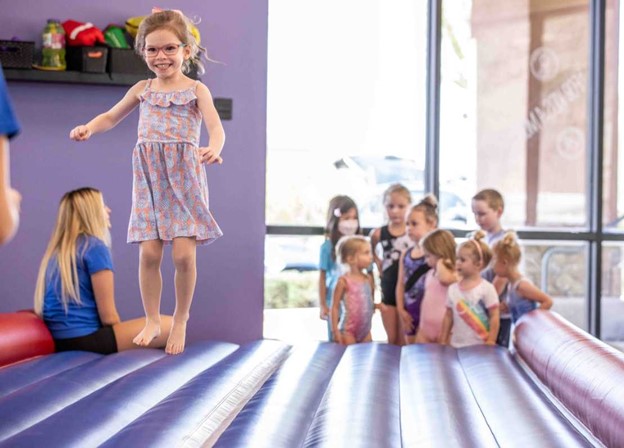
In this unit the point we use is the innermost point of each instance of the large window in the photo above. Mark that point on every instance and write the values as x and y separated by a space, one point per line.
512 110
513 106
346 105
346 115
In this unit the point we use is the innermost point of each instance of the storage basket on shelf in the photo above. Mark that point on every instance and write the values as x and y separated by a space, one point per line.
87 59
16 54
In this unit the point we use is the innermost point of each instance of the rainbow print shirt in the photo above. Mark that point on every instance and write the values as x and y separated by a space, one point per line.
470 308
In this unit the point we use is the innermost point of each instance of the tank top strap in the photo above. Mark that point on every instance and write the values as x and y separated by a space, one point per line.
148 85
195 86
385 234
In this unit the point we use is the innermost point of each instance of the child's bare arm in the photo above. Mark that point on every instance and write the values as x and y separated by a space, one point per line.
447 324
494 319
323 294
338 293
371 280
375 235
532 292
406 318
216 134
110 118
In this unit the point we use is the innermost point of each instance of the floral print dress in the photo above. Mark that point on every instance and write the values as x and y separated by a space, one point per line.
170 188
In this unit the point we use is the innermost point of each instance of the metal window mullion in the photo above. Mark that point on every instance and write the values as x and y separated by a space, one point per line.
595 162
432 156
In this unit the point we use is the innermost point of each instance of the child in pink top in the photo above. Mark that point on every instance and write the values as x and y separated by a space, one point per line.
439 249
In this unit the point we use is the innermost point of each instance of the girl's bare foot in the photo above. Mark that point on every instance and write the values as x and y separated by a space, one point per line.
150 332
177 338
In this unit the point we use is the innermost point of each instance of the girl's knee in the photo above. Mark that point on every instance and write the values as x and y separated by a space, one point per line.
150 257
184 261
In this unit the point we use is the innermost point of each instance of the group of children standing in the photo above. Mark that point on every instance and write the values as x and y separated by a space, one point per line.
432 290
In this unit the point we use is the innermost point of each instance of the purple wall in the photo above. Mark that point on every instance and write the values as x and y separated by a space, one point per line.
45 163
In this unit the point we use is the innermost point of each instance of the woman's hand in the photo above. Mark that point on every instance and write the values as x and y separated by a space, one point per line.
80 133
209 155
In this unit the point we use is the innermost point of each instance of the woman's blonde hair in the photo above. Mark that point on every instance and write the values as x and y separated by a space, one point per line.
479 250
178 24
81 212
508 248
348 246
440 243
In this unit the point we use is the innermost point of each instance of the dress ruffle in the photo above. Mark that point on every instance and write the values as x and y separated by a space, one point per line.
165 99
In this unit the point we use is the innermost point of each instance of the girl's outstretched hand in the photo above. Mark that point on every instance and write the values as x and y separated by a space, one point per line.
80 133
209 156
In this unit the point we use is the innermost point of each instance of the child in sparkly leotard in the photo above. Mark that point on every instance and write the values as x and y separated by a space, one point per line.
353 293
170 189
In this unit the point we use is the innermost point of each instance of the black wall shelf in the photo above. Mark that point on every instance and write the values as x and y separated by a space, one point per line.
223 105
72 77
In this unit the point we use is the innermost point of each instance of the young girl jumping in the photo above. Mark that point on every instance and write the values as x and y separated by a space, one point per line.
388 242
522 296
170 189
472 315
422 219
353 293
439 249
342 220
74 293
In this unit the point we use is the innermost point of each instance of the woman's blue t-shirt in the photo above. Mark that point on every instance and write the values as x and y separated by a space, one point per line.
92 255
8 122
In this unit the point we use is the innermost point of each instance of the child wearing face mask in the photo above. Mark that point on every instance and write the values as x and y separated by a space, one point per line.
342 220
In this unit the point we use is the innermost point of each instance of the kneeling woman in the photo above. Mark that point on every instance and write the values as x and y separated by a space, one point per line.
75 286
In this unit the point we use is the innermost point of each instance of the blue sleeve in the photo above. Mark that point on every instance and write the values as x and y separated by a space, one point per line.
97 257
488 274
8 122
325 260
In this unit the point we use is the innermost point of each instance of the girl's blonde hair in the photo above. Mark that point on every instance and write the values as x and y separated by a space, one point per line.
479 250
440 243
428 206
508 248
178 24
81 212
348 246
397 188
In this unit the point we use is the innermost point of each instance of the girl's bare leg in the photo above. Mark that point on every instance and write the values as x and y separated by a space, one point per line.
368 338
348 338
150 282
390 319
421 338
184 260
125 332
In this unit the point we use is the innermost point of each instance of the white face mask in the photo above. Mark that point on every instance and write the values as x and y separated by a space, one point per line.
348 227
